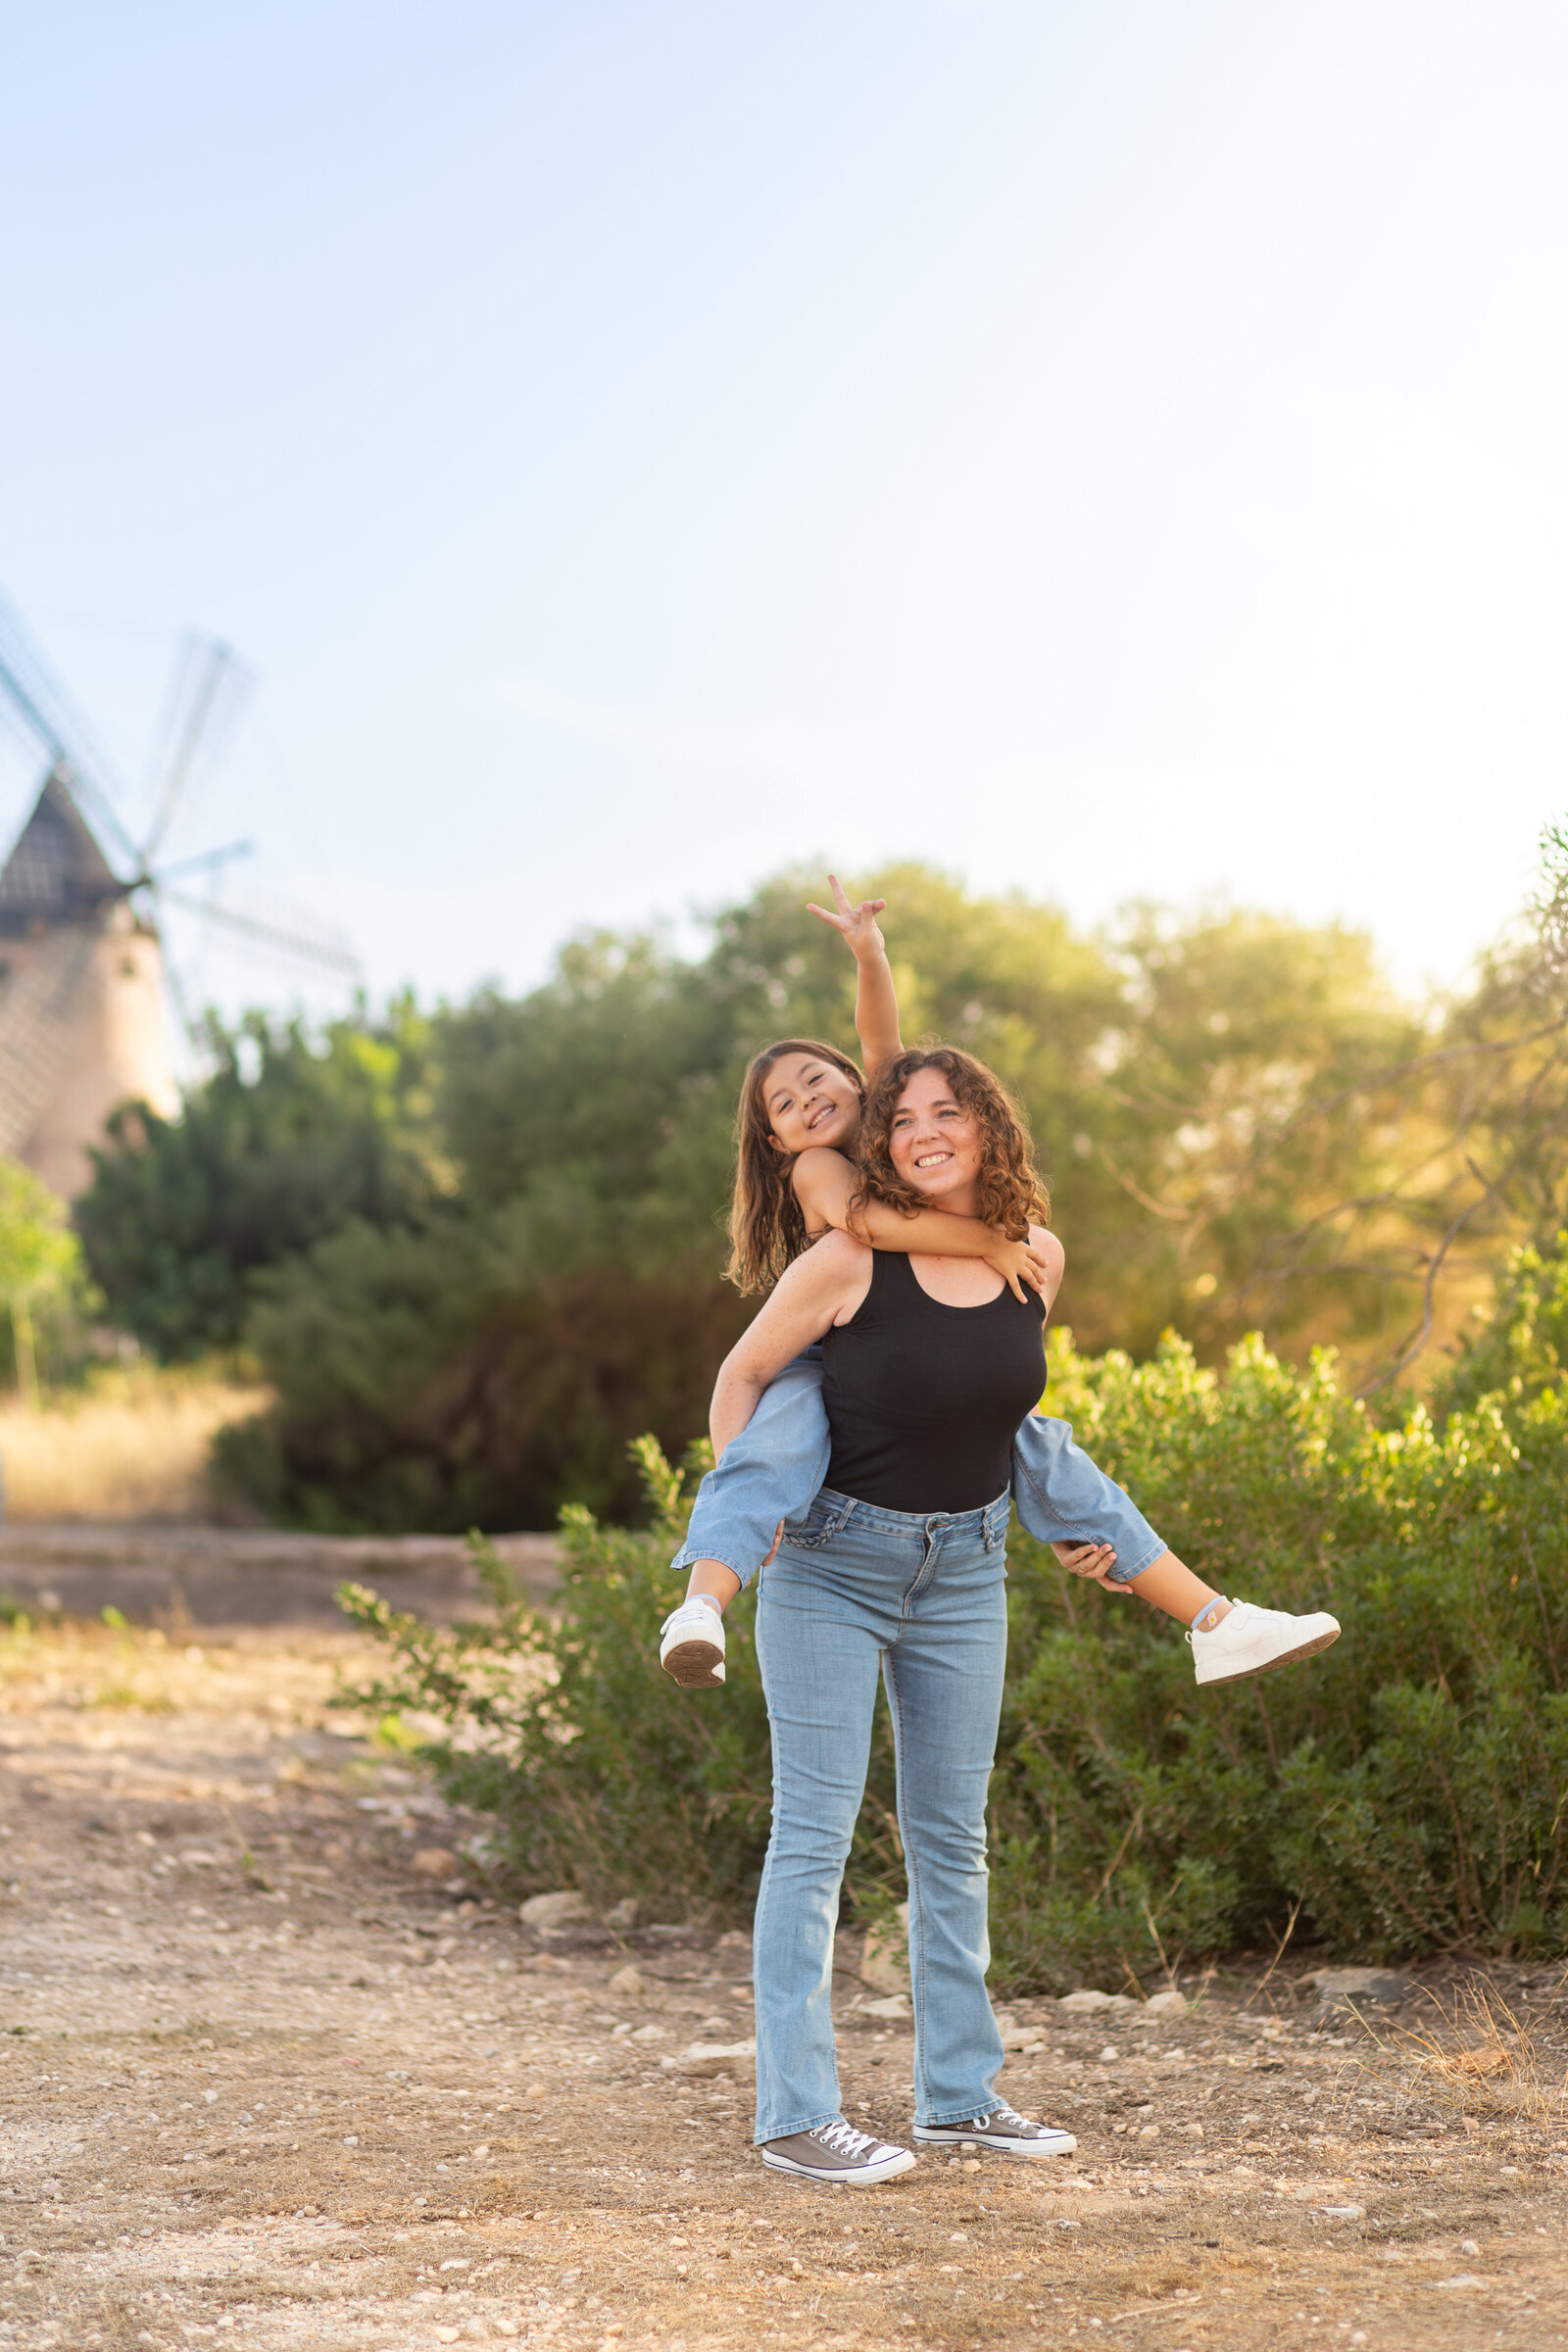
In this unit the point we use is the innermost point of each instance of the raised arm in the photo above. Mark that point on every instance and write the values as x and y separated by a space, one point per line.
876 1004
825 1186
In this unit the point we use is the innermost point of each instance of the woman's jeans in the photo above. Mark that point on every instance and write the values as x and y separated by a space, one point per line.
776 1464
854 1591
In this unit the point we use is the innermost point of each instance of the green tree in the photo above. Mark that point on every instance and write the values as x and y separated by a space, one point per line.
490 1361
289 1139
1245 1120
487 1355
1204 1094
463 1373
39 1257
477 1253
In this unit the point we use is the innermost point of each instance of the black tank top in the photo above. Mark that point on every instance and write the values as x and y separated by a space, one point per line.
924 1400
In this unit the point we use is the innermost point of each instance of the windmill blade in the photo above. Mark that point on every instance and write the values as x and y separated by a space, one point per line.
209 688
207 861
43 714
38 1008
304 945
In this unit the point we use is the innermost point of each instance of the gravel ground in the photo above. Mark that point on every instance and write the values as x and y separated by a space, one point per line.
277 2072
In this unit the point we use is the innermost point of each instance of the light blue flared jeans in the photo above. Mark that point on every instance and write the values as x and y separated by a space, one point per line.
922 1599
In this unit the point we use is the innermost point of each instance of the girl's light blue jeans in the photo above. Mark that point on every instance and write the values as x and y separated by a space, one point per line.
857 1591
773 1468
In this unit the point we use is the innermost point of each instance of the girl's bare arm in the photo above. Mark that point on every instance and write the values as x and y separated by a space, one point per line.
825 1186
876 1002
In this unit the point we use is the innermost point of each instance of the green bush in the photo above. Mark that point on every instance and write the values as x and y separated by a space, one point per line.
1401 1793
1405 1793
600 1773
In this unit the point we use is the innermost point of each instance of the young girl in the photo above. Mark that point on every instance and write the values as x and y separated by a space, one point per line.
797 1125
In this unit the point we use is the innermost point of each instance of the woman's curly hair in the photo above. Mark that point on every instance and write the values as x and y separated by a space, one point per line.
1009 1192
766 1230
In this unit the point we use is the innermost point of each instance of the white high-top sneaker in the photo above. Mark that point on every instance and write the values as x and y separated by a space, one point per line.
1252 1640
691 1646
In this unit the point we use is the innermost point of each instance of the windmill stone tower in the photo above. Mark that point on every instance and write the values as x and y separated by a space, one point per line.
82 1026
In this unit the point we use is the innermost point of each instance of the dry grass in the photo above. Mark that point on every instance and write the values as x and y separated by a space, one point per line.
1476 2055
133 1445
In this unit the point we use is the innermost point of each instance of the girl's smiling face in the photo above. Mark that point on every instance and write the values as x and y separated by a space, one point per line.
809 1099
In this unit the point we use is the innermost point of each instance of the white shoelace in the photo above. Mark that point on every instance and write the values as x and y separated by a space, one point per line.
704 1616
843 2138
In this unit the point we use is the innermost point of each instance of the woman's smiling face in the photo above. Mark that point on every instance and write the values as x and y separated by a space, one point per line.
809 1099
935 1144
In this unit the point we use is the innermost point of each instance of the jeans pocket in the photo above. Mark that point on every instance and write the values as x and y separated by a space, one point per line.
816 1527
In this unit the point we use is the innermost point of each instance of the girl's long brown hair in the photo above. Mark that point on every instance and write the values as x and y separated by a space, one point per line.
767 1229
1009 1192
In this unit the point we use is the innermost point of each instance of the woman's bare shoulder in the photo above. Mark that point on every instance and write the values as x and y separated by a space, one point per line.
836 1257
1049 1248
825 1282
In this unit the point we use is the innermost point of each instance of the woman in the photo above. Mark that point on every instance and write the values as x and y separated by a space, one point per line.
929 1366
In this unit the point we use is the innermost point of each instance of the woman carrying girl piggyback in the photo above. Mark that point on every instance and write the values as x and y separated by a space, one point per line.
902 1448
799 1129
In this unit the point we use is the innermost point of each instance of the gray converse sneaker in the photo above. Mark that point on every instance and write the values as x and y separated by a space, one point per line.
691 1646
1002 2132
836 2155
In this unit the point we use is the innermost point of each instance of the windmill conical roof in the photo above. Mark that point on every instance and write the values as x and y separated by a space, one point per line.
56 872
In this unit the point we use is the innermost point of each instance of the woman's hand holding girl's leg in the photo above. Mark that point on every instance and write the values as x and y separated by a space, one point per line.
1165 1583
1092 1561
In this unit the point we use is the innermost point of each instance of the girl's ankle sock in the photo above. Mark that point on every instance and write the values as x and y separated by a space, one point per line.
1206 1620
711 1602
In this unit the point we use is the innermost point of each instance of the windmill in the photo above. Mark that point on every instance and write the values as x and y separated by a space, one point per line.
84 1025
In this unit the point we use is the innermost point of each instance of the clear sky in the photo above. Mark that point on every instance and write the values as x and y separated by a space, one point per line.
1108 447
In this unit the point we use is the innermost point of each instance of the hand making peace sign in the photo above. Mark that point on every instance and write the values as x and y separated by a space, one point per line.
858 924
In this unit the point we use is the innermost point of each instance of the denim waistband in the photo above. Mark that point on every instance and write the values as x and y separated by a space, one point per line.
986 1524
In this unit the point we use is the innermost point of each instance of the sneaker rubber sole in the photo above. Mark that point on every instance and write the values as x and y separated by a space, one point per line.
1030 2152
697 1665
1287 1657
863 2176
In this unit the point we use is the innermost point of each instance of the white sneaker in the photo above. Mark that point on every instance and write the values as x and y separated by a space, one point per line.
691 1646
1252 1640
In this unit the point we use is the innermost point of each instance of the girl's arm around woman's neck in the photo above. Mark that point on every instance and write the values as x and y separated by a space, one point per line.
827 1186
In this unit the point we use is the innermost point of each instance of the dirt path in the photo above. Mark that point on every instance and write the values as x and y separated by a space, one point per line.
277 2072
224 1577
